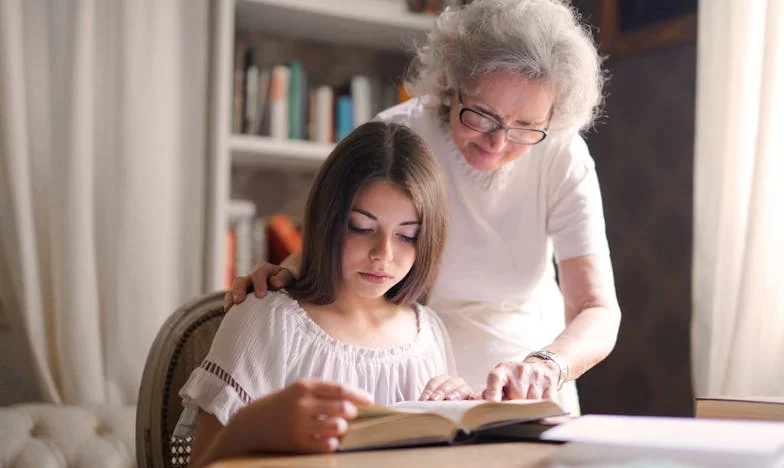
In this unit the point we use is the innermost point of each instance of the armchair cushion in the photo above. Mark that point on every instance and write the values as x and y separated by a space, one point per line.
48 435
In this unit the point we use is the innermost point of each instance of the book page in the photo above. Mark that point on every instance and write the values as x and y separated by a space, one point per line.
454 410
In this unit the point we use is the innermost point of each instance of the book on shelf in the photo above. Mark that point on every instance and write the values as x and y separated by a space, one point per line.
259 240
239 252
361 98
297 100
439 422
283 238
278 102
612 440
736 407
344 117
238 98
251 112
322 126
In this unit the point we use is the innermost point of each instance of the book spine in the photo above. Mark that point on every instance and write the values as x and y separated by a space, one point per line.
295 100
325 126
402 93
259 236
239 86
263 92
279 119
361 97
344 120
284 239
250 111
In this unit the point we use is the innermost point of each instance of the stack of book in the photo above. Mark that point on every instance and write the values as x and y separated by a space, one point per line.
284 102
736 407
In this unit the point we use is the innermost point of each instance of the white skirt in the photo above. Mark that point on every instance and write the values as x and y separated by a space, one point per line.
485 334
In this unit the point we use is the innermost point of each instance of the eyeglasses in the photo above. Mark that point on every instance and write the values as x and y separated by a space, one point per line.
480 122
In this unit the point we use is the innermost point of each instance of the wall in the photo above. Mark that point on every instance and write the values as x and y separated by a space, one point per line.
644 156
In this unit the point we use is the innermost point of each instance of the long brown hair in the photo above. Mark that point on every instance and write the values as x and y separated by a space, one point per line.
372 152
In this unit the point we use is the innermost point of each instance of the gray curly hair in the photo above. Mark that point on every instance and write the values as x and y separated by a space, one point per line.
542 40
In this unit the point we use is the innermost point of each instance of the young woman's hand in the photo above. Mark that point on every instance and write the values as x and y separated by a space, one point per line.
446 387
308 416
264 276
530 379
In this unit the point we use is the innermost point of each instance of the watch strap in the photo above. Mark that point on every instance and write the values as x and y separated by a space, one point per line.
547 355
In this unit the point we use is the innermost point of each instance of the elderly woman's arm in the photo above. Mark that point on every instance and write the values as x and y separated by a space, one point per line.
592 312
592 321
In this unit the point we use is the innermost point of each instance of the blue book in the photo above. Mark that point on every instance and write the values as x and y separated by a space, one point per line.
344 117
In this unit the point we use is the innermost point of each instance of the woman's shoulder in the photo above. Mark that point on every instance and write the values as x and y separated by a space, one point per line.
567 148
566 156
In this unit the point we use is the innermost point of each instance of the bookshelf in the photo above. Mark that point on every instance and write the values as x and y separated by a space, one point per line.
383 25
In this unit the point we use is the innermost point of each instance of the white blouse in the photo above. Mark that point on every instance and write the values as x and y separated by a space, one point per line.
496 290
263 345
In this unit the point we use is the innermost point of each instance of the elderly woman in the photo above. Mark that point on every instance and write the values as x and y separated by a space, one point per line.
503 87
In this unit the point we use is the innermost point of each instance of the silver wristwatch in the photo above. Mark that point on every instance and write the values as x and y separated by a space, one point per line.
547 355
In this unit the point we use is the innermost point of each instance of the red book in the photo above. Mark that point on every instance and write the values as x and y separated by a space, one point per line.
284 239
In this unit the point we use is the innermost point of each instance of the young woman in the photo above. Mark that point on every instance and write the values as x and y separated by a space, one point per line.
374 230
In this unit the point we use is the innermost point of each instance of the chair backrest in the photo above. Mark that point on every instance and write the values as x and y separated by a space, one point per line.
180 346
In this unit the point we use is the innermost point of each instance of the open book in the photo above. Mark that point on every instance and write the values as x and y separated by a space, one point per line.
426 422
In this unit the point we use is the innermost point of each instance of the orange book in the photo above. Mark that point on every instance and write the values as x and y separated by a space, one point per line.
283 237
402 94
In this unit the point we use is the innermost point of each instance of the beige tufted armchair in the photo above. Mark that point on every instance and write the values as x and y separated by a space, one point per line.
180 346
46 435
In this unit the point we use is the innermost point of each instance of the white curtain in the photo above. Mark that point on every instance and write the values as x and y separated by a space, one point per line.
738 264
102 159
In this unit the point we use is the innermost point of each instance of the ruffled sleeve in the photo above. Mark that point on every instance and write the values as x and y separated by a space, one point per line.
246 361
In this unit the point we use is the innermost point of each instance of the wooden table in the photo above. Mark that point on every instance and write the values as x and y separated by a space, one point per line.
516 454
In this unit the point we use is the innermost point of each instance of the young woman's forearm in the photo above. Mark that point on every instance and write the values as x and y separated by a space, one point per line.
232 440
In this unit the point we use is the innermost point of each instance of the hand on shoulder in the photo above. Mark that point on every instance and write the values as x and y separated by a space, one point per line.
264 277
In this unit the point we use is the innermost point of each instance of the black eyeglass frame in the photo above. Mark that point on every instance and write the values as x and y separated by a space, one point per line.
462 109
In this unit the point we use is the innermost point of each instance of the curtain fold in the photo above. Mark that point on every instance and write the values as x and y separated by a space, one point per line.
102 160
738 263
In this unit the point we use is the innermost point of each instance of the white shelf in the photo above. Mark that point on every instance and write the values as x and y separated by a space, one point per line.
381 24
258 151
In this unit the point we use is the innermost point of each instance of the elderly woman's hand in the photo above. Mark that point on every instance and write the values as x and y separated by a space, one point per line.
264 276
531 379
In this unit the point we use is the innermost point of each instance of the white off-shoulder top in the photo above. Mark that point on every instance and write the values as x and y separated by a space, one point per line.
263 345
